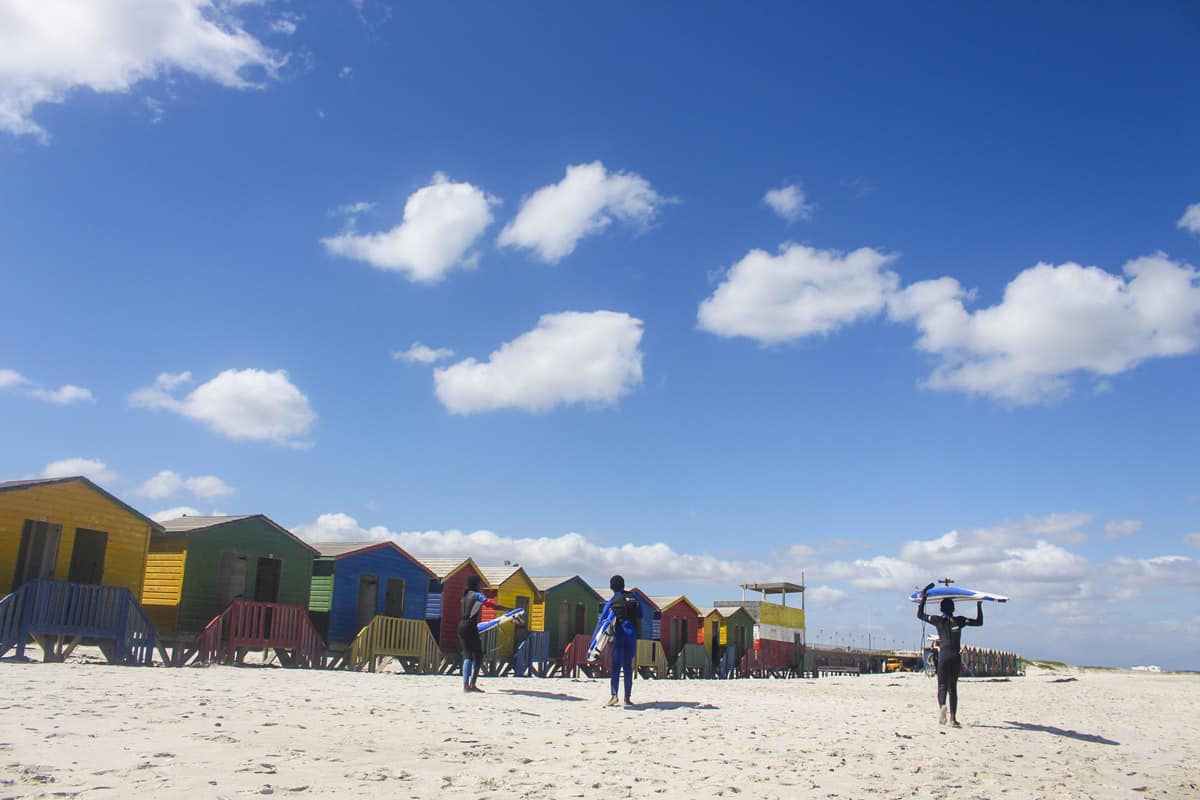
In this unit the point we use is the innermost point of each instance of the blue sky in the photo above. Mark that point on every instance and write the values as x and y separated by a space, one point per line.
709 295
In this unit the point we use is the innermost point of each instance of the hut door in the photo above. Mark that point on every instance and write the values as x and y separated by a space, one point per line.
231 578
266 580
716 641
37 552
393 603
580 616
87 556
368 598
565 633
521 627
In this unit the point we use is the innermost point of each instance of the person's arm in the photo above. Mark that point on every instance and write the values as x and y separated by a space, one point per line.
978 616
921 615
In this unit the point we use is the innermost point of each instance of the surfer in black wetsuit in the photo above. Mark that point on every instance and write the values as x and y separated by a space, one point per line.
949 657
473 603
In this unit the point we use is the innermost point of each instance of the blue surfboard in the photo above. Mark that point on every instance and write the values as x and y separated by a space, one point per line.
937 593
503 619
602 636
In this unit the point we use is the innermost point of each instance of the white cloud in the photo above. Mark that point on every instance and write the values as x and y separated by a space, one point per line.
240 404
49 48
352 209
570 357
1192 539
1169 573
570 553
168 482
799 292
175 513
825 596
1053 322
1011 558
1120 528
90 468
65 395
423 354
11 378
586 201
286 24
345 72
789 202
1190 221
442 222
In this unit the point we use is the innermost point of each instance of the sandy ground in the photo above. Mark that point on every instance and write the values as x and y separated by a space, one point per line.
96 731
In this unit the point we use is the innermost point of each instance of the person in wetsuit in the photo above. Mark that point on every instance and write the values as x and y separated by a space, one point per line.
473 604
627 614
949 656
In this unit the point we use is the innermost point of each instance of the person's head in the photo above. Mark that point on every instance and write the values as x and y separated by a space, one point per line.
947 606
473 583
617 583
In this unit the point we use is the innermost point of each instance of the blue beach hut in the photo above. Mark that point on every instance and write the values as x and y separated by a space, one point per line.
355 581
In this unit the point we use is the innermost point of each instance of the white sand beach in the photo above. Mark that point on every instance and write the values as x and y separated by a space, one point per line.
96 731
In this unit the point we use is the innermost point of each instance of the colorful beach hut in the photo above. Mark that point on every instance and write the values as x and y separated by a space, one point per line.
352 582
726 633
570 607
219 586
444 609
72 567
515 589
680 624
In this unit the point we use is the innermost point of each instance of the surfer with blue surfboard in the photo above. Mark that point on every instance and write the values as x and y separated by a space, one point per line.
469 628
949 657
618 627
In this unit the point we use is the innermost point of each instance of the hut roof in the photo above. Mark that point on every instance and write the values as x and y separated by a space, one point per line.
188 525
9 486
343 549
498 575
545 584
667 601
443 567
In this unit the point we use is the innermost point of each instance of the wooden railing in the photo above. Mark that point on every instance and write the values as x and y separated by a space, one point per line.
532 655
651 659
407 640
769 658
60 615
693 661
728 663
253 625
574 659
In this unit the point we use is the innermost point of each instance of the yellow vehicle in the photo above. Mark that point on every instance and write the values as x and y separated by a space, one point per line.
893 665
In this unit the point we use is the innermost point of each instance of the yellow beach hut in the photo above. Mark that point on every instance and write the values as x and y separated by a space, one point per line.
73 558
515 589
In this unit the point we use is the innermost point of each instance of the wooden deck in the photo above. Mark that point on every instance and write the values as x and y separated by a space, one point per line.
59 616
408 641
247 625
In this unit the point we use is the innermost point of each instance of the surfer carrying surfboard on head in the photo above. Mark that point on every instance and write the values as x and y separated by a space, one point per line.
949 660
618 627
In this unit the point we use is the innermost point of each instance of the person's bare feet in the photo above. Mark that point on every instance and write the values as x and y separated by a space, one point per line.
612 701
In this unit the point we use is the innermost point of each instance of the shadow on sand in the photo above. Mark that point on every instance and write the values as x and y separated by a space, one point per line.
1029 726
543 695
668 705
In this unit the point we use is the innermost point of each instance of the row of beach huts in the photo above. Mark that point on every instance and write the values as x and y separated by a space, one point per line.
78 566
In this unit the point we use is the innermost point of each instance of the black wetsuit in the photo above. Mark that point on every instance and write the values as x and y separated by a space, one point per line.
949 656
468 626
